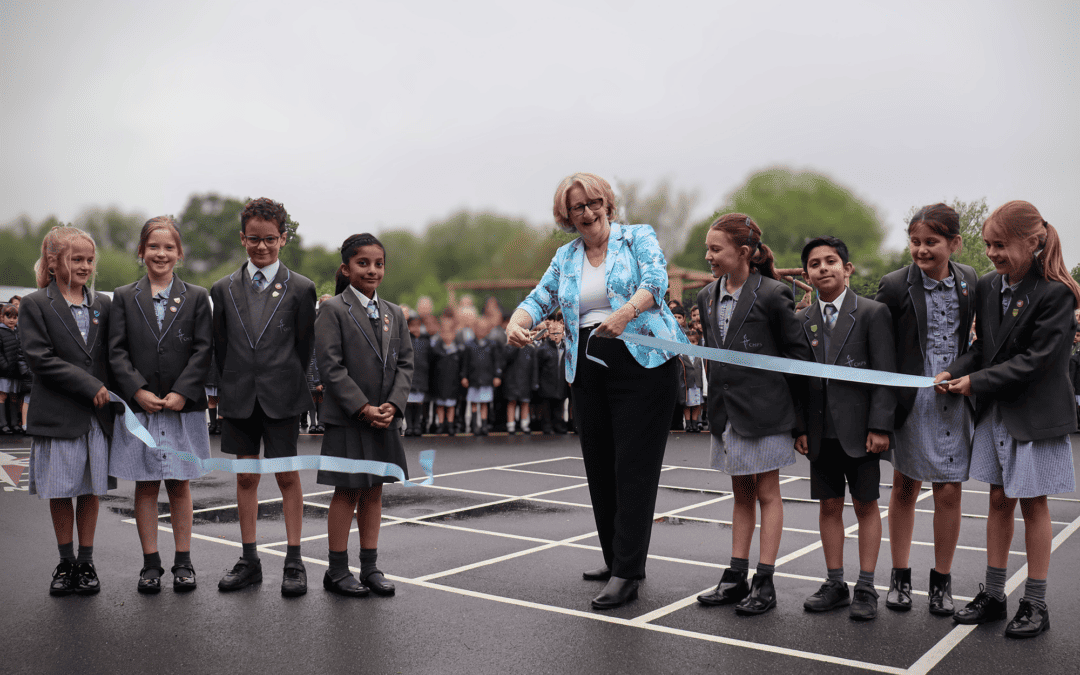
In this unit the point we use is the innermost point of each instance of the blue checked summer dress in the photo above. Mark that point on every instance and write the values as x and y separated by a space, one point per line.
934 443
738 455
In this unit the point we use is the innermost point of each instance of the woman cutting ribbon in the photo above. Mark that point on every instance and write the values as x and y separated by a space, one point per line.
611 279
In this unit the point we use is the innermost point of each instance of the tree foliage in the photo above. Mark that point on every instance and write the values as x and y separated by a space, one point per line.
972 216
666 210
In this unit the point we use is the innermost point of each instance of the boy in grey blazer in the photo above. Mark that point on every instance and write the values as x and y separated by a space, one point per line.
264 335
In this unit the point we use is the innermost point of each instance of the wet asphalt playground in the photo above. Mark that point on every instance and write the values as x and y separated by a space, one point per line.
488 565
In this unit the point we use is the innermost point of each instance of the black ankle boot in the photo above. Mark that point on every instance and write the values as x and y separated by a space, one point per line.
941 600
899 595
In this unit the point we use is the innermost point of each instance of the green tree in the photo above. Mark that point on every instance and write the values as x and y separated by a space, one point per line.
666 210
1076 273
972 216
210 226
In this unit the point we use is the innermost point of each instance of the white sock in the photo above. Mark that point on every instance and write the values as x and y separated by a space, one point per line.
510 425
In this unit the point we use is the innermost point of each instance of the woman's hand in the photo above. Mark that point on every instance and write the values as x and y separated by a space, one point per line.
519 336
101 398
615 324
146 400
174 401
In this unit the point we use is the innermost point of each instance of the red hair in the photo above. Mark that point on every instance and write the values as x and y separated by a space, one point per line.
1019 220
745 232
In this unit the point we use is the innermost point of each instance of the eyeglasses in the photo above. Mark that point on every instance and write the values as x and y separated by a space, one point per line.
593 204
254 241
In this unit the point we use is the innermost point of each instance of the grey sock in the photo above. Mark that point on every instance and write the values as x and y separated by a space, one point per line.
368 556
740 564
86 554
1035 592
183 559
67 551
866 577
995 582
251 553
765 570
837 575
339 564
292 553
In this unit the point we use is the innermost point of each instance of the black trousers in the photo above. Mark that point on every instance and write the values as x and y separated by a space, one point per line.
623 413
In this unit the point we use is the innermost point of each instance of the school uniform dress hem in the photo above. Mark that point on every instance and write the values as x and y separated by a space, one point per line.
738 455
1025 469
71 467
361 441
131 459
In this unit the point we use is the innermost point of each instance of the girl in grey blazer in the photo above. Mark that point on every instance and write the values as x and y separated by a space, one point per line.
365 357
64 328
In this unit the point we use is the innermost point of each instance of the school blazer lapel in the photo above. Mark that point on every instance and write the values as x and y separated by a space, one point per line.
279 286
1020 302
240 303
387 321
747 298
60 306
145 302
352 302
713 331
814 329
917 294
177 298
845 321
965 292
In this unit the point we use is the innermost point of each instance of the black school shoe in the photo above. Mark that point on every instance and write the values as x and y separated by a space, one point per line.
831 595
899 596
243 574
616 593
346 585
377 583
941 600
148 584
183 578
86 579
762 596
63 579
1029 621
864 602
732 588
294 579
598 574
983 609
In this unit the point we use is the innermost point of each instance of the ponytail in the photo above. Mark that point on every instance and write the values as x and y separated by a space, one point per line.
1053 262
745 232
1020 220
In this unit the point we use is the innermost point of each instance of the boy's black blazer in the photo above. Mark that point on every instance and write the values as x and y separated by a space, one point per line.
354 368
1021 359
903 293
268 362
861 338
757 402
68 372
174 358
482 364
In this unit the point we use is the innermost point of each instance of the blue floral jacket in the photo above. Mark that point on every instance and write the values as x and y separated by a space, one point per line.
634 260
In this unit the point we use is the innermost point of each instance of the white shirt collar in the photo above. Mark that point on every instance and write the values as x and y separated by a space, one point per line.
86 301
838 302
364 300
270 271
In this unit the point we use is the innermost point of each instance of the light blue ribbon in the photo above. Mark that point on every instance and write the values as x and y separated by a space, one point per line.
779 364
282 464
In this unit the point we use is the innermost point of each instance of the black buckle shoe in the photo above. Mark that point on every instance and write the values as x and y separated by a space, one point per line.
983 609
346 585
63 579
831 595
617 593
294 579
86 579
183 578
863 602
243 574
377 583
1029 621
941 600
899 596
598 574
150 585
732 588
762 596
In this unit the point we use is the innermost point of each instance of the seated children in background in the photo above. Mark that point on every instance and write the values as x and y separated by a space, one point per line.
845 426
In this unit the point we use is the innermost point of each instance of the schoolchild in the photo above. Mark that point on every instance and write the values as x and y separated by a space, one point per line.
932 303
846 425
315 388
65 327
213 383
692 377
1074 368
751 412
1018 372
160 342
416 408
447 355
10 374
521 376
264 321
481 372
551 370
366 363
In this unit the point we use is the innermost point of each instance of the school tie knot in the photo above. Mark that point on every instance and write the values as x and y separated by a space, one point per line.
372 310
830 316
258 280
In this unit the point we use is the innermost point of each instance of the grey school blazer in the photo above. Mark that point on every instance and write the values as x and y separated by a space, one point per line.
354 368
861 338
174 358
269 362
67 371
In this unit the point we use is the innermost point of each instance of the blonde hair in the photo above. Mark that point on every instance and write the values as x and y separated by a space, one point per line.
56 254
1019 220
594 186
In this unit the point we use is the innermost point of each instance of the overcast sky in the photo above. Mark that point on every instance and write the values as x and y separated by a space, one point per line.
375 116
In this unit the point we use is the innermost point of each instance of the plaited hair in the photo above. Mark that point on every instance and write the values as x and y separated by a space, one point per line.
942 219
745 232
356 242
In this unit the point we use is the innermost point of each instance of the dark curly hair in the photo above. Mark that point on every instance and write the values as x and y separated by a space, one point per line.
265 209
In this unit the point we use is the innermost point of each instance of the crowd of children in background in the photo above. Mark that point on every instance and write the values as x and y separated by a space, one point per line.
14 374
